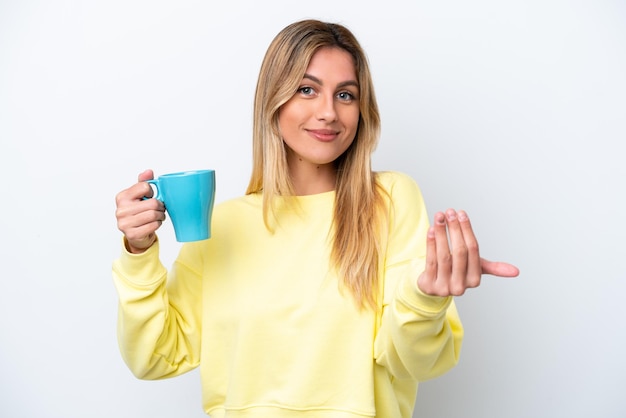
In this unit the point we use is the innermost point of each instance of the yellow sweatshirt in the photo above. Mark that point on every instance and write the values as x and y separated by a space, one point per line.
263 315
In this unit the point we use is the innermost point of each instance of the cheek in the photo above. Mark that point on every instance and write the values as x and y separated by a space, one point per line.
288 130
287 117
351 119
283 123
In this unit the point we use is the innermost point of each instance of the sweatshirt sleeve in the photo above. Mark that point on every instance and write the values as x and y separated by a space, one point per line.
158 316
419 336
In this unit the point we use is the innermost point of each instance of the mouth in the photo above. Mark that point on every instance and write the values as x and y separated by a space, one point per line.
324 135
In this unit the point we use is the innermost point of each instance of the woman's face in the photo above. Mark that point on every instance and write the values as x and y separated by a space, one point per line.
320 121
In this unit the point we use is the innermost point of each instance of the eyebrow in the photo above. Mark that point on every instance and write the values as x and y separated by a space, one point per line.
342 84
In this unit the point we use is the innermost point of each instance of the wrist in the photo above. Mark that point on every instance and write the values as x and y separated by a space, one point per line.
139 247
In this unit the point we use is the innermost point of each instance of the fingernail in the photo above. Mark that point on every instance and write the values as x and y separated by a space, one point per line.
451 214
462 216
440 219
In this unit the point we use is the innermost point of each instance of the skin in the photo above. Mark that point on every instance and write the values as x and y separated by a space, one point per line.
453 262
320 121
318 124
138 219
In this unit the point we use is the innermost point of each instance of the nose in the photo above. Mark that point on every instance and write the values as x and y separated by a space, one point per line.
326 110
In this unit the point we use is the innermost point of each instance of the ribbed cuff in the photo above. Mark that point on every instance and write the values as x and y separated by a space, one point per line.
413 297
140 270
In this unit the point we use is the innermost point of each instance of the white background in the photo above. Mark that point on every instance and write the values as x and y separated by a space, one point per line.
512 110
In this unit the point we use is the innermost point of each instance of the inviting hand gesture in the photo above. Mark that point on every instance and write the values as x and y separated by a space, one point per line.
453 265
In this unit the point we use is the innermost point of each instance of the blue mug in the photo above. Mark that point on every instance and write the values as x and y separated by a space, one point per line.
188 197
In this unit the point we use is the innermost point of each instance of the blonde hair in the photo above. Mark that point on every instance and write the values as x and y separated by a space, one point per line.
359 199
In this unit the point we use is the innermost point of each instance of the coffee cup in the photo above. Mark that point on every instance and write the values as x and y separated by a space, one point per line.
188 197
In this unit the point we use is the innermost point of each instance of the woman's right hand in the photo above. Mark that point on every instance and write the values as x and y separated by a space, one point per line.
139 218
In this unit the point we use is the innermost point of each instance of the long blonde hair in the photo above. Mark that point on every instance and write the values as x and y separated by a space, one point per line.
359 199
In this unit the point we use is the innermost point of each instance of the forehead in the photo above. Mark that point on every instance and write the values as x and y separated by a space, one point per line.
332 62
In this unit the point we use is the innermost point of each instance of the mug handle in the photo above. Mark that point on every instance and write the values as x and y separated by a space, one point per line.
155 183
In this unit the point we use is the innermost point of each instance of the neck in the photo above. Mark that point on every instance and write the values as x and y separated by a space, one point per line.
310 179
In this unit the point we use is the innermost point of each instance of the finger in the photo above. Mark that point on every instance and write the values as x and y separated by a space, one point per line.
129 208
141 191
145 175
134 193
426 281
444 258
150 211
458 276
142 236
499 269
127 221
474 271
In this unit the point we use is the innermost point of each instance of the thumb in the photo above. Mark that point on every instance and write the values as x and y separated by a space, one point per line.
146 175
499 269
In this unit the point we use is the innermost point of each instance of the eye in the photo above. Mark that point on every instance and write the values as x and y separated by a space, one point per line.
306 91
346 96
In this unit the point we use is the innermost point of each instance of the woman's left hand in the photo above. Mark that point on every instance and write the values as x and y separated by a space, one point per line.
454 265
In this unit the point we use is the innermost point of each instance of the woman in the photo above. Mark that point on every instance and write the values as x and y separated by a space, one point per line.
322 292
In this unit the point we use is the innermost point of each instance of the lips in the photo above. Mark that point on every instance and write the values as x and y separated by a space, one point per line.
324 135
